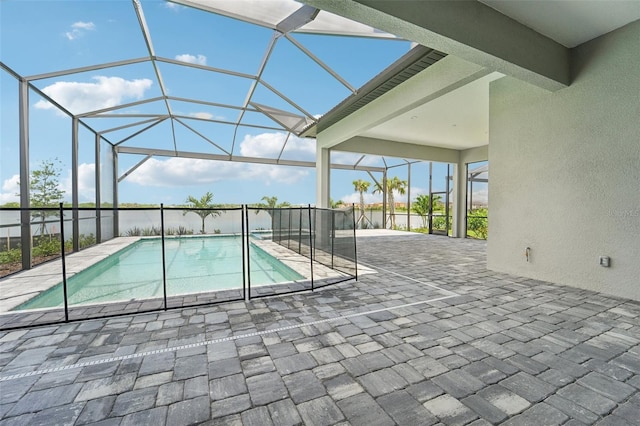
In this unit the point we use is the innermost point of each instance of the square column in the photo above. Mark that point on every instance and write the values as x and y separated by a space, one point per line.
459 200
323 177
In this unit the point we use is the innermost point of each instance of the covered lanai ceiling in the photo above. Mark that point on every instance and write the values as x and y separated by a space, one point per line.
480 38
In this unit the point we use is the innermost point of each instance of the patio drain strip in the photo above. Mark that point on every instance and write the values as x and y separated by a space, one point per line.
230 338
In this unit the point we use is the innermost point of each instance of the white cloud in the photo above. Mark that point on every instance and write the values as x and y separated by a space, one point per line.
172 6
481 196
370 198
10 187
84 97
176 172
341 157
78 29
83 25
200 59
270 144
86 183
206 116
203 115
354 198
416 191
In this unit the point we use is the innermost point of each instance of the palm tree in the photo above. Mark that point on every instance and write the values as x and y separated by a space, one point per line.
394 184
271 203
421 207
336 204
202 207
361 186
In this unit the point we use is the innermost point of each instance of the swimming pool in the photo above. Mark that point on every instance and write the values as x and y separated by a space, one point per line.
194 264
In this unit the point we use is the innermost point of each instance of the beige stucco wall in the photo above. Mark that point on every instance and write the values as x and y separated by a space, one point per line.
565 171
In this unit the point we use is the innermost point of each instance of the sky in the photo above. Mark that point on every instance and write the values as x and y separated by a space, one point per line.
39 37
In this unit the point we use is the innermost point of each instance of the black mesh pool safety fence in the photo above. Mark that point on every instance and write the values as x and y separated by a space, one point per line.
325 237
64 264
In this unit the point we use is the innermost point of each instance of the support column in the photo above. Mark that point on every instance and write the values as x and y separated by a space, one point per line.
74 185
98 189
384 198
460 200
408 196
114 177
323 177
431 197
25 215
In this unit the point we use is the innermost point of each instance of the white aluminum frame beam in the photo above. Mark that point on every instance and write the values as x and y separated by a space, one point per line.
317 60
86 69
202 136
218 157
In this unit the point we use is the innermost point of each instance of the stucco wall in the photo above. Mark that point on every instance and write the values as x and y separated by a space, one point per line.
565 171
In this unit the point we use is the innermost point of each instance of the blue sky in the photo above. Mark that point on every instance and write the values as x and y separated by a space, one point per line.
44 36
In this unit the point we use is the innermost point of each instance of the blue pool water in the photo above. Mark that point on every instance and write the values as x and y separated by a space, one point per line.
194 264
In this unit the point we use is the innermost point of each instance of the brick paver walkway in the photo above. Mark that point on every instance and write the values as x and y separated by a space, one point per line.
432 338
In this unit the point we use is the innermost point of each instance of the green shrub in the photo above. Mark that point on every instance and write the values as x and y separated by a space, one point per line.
133 232
86 240
150 232
478 224
180 230
47 247
11 256
439 223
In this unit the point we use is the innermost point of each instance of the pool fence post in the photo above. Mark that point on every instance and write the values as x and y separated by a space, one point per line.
164 270
64 267
300 231
332 233
311 246
289 228
355 249
245 248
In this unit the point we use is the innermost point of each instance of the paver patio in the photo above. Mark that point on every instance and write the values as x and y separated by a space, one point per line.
431 338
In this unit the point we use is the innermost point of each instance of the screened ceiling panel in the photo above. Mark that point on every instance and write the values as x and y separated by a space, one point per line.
156 137
259 12
267 68
273 12
118 128
265 96
94 30
354 159
119 125
340 53
316 93
143 108
297 148
204 112
200 40
257 118
190 140
479 173
329 23
97 89
206 133
292 122
212 86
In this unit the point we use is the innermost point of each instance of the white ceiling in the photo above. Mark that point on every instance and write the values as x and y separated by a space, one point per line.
457 120
569 22
460 119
